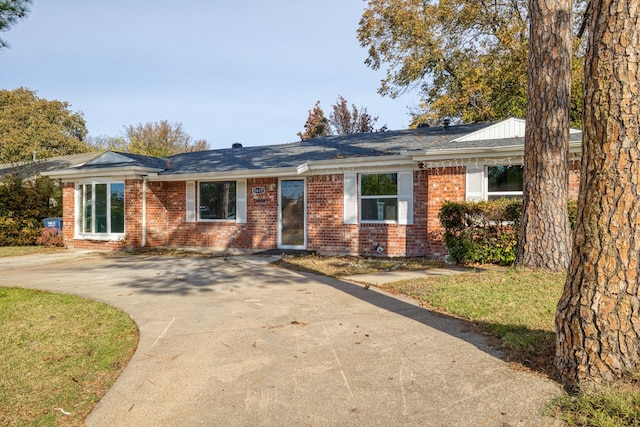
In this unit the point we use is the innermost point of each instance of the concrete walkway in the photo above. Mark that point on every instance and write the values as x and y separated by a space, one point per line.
397 275
239 342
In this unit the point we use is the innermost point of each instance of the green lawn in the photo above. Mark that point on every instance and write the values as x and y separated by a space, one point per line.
59 354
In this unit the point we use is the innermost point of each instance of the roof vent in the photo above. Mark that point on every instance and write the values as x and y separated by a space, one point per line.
446 122
236 145
423 125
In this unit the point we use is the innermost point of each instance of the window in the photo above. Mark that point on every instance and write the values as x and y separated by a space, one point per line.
217 200
102 208
379 197
504 181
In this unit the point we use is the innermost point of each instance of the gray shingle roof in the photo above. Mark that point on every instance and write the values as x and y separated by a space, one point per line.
413 142
316 149
112 159
47 165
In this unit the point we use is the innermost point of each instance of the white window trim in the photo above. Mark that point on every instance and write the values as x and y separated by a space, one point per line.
193 202
351 191
404 198
204 181
351 201
79 234
361 198
488 194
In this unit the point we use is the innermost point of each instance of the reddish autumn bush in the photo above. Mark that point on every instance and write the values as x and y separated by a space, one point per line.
50 237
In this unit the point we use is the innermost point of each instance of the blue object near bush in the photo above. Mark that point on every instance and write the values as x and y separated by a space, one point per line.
52 223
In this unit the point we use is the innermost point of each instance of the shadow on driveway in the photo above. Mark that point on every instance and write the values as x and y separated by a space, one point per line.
235 341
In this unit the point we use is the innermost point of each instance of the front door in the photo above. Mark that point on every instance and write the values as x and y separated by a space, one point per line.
292 215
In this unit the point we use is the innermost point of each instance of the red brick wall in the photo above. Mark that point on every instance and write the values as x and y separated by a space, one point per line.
574 179
444 184
133 211
326 232
68 211
167 225
262 214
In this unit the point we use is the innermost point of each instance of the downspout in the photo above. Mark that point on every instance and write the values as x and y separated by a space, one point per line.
144 212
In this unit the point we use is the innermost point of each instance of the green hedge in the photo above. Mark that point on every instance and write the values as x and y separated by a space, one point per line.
485 232
481 232
23 206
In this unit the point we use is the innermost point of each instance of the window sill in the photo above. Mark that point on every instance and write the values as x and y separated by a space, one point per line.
100 237
379 223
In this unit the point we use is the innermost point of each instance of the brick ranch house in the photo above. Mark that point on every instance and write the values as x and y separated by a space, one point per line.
366 194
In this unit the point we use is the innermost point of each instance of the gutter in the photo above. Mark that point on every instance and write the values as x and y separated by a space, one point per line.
475 152
397 161
71 174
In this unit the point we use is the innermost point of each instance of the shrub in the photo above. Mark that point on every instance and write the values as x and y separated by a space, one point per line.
485 232
481 232
23 205
18 231
50 237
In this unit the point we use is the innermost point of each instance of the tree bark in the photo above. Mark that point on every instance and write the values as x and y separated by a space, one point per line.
544 231
598 317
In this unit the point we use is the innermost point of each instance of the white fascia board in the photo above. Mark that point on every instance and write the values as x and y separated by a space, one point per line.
474 152
391 161
73 175
238 174
465 153
308 168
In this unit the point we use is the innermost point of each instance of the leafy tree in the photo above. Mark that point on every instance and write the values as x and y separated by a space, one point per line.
29 124
316 125
543 240
105 142
598 316
347 122
11 11
23 205
467 57
157 139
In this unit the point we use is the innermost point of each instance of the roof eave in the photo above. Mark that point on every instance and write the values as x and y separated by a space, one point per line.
575 147
293 171
236 174
67 174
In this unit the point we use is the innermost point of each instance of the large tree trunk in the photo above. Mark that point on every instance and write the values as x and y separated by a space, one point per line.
598 318
544 232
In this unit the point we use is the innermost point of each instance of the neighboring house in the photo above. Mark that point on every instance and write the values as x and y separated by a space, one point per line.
365 194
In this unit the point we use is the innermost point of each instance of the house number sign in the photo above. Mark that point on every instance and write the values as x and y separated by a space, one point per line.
257 190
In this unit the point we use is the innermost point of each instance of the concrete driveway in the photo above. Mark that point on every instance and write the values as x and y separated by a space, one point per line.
238 342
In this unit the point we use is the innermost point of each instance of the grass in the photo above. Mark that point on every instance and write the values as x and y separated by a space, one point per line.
517 309
58 353
348 265
6 251
614 405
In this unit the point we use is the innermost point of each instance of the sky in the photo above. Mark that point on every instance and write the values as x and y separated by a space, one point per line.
243 71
